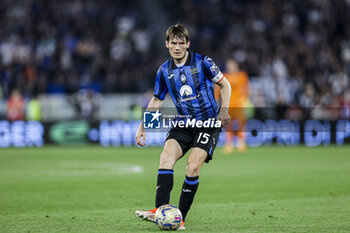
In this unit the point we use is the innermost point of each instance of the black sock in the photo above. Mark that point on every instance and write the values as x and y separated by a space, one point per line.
189 189
164 186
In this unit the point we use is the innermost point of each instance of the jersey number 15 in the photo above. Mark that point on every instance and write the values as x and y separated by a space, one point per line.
203 138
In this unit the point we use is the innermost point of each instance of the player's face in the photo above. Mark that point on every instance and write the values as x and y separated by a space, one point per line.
177 47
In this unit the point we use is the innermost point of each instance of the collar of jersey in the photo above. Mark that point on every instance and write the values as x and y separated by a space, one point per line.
187 63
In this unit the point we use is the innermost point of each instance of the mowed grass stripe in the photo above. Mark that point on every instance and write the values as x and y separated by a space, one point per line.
268 189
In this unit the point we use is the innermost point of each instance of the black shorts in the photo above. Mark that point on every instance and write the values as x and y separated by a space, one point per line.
204 138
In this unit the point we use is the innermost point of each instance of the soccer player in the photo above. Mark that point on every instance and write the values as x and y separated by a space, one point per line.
189 78
239 100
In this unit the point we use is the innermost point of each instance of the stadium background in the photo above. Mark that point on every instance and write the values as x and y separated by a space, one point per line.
96 61
83 71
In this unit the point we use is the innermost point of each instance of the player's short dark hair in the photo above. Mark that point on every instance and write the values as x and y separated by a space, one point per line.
177 30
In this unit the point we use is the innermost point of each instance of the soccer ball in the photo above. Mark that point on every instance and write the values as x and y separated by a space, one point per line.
168 217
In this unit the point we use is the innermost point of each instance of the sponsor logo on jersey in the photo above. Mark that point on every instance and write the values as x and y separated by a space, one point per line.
186 90
180 100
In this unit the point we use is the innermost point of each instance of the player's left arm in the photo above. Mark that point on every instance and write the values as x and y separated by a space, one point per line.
216 76
225 87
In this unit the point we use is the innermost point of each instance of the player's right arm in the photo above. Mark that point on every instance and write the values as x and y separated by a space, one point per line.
154 105
160 90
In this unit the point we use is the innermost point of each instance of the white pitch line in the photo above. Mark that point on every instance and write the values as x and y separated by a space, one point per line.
76 168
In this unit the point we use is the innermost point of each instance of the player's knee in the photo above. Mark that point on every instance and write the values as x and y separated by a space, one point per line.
192 169
167 161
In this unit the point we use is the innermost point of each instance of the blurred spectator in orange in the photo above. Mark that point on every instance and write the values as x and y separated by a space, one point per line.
239 99
15 107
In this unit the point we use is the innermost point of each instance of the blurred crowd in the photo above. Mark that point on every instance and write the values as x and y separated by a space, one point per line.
63 46
297 50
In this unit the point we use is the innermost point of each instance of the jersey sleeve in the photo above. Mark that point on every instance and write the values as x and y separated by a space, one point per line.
160 88
212 70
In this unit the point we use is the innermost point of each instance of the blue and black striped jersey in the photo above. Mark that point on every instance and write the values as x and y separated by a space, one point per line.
190 86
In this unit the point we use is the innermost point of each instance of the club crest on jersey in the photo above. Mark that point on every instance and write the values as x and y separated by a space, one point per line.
183 78
186 90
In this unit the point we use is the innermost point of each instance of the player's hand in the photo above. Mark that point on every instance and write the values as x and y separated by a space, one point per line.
140 136
224 117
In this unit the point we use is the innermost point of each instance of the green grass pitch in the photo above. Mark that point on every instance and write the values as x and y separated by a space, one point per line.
95 189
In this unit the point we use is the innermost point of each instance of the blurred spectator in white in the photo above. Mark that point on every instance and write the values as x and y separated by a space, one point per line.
85 102
120 48
307 99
